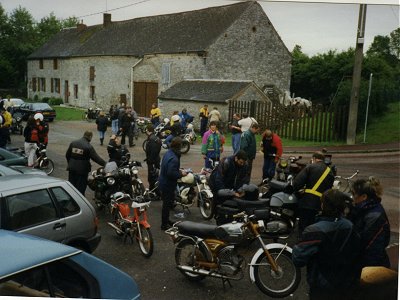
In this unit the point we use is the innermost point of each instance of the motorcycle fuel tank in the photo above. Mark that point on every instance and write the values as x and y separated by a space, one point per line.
230 232
281 198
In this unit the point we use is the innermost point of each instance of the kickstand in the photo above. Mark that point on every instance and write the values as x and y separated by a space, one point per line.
226 280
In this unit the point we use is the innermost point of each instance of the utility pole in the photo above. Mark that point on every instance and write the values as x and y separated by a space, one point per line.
366 113
355 90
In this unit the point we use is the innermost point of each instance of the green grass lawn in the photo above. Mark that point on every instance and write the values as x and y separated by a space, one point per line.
69 113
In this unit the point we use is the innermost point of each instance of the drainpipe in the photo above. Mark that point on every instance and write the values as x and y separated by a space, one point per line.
131 83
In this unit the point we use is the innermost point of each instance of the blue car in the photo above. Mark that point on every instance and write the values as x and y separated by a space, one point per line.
34 267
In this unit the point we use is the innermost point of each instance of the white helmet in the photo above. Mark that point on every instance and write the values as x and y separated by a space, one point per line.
1 120
166 120
190 126
175 118
38 116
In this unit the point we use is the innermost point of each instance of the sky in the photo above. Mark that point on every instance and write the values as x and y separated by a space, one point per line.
316 27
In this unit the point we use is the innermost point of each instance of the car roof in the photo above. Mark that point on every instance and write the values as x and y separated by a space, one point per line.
21 252
4 170
13 182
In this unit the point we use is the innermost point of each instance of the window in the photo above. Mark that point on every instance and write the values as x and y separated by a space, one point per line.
42 84
34 84
30 209
92 74
68 205
92 92
41 63
76 91
55 85
165 73
55 63
60 279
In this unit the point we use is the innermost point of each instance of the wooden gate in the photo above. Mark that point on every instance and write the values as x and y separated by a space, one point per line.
318 124
145 94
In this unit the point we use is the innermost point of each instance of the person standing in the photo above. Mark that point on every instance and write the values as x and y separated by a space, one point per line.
153 148
101 122
248 144
215 115
371 222
330 248
31 140
78 156
127 120
316 178
203 119
170 172
246 122
236 132
155 114
114 113
5 127
271 146
212 145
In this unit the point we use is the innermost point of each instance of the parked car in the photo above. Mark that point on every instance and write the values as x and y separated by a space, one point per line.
15 158
50 208
34 267
16 102
28 109
17 170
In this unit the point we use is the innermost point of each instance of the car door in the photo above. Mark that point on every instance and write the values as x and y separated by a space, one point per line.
33 212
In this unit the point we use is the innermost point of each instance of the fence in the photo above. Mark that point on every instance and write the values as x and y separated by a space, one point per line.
319 123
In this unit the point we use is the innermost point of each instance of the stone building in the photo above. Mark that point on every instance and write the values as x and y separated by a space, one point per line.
133 61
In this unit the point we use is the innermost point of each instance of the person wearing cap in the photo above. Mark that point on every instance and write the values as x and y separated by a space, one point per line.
271 146
330 248
101 122
153 148
78 156
315 179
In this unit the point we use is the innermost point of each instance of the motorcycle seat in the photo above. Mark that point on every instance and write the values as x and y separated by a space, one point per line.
197 229
247 204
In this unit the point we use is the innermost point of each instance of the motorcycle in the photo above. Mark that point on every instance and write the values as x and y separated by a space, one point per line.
132 225
190 134
16 125
288 166
105 181
193 185
141 124
92 114
162 135
208 250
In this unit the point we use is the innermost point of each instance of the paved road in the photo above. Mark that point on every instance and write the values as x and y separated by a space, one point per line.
157 276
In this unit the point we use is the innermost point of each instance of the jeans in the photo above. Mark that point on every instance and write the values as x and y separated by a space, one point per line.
236 142
269 167
127 132
167 198
30 152
114 126
101 134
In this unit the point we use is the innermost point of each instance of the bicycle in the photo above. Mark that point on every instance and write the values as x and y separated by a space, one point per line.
344 184
43 162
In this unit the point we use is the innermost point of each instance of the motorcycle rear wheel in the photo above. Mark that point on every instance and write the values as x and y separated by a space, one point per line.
47 165
186 254
146 243
280 284
206 207
185 147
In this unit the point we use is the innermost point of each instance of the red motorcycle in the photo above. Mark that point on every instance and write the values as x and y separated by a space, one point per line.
132 223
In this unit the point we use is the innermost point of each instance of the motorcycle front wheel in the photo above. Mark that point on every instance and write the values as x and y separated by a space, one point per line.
47 165
185 147
206 206
277 284
146 243
186 254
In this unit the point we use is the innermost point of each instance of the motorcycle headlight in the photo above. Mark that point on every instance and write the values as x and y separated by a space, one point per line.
134 170
283 163
203 179
110 180
261 225
19 119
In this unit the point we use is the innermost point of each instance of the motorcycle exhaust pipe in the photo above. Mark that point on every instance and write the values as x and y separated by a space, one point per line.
204 272
115 227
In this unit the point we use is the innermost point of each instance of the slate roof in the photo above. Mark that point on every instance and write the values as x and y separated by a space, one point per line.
204 91
192 31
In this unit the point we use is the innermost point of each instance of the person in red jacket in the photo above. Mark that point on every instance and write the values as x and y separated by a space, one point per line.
271 145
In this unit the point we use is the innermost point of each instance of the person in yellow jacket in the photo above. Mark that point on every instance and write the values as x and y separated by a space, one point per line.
155 114
7 124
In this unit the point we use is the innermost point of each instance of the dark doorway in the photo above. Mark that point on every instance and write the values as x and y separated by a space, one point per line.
66 91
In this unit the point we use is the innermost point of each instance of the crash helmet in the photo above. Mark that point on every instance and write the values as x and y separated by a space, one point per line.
38 116
175 118
166 120
1 120
250 191
190 126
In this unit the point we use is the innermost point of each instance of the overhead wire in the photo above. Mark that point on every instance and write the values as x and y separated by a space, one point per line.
117 8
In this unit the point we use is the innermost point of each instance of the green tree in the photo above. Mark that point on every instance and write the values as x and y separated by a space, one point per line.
394 43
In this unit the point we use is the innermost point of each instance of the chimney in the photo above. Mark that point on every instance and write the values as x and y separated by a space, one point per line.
106 20
80 26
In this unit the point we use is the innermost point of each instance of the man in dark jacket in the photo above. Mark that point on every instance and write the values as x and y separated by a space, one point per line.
126 126
169 174
231 173
248 144
153 148
330 248
115 150
316 178
78 155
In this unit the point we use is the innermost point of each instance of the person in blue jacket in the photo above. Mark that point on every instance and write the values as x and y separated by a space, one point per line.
170 172
186 118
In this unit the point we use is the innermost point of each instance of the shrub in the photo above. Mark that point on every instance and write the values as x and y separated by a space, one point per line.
45 99
36 98
55 101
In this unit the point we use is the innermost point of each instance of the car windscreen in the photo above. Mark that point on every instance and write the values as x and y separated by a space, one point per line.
41 106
